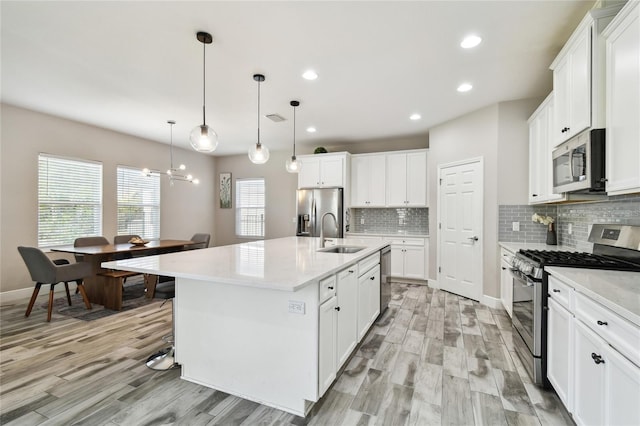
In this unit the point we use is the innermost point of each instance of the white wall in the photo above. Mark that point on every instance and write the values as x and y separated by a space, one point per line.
280 192
499 134
185 208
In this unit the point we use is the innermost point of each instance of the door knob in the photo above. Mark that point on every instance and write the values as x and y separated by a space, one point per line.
474 238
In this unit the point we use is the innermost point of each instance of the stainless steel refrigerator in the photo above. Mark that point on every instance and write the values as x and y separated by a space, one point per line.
313 204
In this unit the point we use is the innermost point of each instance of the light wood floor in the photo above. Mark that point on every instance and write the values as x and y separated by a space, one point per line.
432 358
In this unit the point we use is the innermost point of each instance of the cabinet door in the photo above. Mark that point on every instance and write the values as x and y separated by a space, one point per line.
535 160
589 377
331 171
396 179
309 175
374 294
580 87
397 260
327 345
623 390
623 106
414 266
416 179
347 336
560 351
506 287
360 185
562 93
377 180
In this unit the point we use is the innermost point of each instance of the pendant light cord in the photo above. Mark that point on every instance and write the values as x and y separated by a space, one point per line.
204 82
294 132
259 112
171 148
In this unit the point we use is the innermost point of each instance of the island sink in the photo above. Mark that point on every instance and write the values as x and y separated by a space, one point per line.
341 249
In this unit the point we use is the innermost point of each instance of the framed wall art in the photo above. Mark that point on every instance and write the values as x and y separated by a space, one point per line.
225 190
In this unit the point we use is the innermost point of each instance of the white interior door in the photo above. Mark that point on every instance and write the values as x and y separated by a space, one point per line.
460 215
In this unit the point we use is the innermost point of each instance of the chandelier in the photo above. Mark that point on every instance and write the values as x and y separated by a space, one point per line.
173 173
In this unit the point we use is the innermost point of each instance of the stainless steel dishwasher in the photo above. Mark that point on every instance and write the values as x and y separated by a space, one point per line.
385 278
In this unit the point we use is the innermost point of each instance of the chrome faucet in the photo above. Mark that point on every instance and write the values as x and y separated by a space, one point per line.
335 220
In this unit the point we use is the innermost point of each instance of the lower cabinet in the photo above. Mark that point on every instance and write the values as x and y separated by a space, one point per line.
409 258
506 281
368 299
595 382
328 324
347 312
560 350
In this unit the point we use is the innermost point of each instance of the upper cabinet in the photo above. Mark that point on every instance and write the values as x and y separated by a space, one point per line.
623 101
407 179
540 148
368 178
323 170
578 77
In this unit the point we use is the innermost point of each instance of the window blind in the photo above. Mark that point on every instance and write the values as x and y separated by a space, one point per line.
69 200
138 203
250 207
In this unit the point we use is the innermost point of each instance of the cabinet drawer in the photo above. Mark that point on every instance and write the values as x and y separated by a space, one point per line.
327 288
561 293
368 263
618 332
407 241
506 255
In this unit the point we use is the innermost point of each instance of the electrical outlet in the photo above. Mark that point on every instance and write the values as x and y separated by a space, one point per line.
294 220
400 221
296 307
570 228
361 221
515 226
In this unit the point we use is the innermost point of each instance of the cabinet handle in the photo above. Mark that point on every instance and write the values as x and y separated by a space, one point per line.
534 195
330 288
351 271
337 308
555 290
602 322
504 269
597 358
372 278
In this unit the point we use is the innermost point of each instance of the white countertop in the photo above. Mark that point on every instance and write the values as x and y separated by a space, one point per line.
280 264
617 290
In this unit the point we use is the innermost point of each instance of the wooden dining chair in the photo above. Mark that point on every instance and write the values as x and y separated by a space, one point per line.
44 271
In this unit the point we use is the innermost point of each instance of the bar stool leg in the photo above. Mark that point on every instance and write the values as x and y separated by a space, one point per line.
165 359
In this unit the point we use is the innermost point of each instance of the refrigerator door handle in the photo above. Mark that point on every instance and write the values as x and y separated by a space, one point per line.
313 218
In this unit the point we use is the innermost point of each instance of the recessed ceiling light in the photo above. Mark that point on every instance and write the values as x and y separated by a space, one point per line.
470 41
310 75
311 129
465 87
415 117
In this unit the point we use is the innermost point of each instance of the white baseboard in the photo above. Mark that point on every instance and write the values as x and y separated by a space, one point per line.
25 293
492 302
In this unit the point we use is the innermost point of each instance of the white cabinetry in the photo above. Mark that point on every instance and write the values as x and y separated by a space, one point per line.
328 323
593 356
506 280
347 309
409 258
368 180
407 179
540 148
368 293
578 77
623 101
323 170
560 340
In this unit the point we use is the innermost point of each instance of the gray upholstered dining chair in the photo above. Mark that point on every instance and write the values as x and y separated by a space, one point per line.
87 242
44 271
124 239
202 239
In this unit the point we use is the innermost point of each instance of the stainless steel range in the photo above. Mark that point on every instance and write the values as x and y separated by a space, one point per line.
616 247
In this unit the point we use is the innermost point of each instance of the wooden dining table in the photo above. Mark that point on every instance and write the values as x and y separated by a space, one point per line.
104 286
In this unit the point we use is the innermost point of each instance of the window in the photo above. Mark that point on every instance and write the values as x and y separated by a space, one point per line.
69 200
250 208
138 203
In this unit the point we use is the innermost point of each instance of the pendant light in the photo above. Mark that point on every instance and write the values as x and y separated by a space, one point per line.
203 138
293 165
258 154
174 173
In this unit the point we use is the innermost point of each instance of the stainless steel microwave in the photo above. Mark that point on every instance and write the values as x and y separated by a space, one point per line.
579 164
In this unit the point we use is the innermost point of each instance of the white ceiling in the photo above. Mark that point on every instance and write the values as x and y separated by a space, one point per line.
130 66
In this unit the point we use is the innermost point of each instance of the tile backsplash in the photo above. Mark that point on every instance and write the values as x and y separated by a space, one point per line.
389 220
623 209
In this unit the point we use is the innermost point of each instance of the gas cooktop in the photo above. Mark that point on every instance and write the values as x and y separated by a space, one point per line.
577 260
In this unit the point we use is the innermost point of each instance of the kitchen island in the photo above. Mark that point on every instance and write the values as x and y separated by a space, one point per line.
270 321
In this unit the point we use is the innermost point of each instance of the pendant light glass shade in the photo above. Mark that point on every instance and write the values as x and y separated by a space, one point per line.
293 165
202 137
258 153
